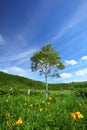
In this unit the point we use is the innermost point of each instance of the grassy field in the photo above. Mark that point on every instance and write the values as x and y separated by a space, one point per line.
34 112
65 109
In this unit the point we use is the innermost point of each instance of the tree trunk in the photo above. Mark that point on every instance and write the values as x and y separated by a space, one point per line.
46 86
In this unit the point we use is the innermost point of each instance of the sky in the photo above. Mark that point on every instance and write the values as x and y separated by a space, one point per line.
28 25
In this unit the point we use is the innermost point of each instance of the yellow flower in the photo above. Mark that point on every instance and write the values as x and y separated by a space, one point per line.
79 115
25 103
76 115
43 101
49 98
7 123
79 104
8 115
31 105
20 121
48 103
73 115
40 109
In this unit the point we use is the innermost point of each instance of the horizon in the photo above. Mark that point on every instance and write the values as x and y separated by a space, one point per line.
42 81
27 26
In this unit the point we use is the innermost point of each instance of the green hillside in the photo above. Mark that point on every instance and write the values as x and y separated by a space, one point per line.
8 81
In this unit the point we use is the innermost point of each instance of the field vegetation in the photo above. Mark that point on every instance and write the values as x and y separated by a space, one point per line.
65 108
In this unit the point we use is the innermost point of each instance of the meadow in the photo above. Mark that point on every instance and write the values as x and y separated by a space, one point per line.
34 112
65 109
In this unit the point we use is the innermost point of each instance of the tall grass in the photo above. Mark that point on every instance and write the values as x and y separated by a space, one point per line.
37 113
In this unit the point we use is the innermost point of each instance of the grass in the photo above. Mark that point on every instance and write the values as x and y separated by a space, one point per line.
37 113
20 111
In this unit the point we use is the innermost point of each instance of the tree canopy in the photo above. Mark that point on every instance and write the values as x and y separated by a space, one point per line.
47 61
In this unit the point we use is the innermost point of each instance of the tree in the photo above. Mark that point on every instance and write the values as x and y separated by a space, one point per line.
48 62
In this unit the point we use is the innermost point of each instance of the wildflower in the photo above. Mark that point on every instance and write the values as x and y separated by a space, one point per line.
43 102
25 103
50 98
48 103
79 115
76 115
7 123
40 109
8 115
31 105
79 104
19 121
73 115
6 100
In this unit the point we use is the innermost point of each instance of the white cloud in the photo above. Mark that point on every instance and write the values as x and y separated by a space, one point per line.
66 75
71 62
2 40
84 58
82 72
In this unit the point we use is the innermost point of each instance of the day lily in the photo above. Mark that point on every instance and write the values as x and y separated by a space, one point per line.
8 115
7 123
76 115
20 121
40 109
79 104
48 103
50 98
43 101
25 103
31 105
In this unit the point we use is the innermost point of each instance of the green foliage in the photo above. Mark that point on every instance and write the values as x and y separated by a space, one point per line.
8 81
47 61
38 113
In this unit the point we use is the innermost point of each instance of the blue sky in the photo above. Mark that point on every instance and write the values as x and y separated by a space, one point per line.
28 25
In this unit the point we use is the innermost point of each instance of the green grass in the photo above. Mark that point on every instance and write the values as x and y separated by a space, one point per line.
55 113
37 112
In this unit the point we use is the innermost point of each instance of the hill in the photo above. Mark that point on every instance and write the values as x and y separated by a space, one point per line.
14 81
8 81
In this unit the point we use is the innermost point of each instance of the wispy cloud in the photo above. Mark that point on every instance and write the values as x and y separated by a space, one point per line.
15 70
71 62
21 56
79 15
2 40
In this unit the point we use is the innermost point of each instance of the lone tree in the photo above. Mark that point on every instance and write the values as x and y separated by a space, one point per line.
48 62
